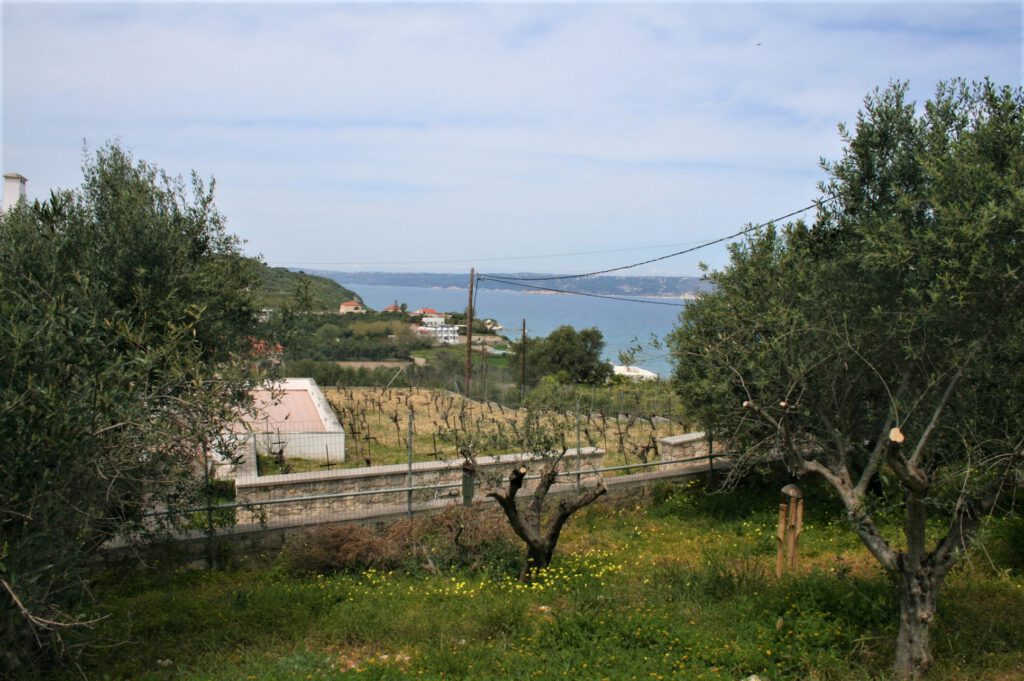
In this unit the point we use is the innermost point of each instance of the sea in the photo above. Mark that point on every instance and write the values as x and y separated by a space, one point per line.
623 324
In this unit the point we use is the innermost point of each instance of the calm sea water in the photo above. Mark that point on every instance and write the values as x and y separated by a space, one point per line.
619 321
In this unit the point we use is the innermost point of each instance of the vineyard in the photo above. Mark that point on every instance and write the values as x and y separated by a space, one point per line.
625 422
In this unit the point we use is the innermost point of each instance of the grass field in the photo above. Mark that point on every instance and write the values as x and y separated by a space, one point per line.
680 587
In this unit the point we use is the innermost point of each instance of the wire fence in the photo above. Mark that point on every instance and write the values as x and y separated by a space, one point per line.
396 452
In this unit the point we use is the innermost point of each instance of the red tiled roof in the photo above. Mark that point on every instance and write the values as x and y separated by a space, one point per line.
352 303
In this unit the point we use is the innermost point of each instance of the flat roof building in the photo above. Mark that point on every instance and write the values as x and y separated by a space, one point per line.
14 190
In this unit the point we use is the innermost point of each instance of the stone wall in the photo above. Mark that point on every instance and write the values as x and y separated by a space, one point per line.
443 478
686 446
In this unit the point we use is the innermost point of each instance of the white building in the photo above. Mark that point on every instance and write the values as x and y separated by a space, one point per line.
14 190
635 373
433 320
351 307
440 333
293 419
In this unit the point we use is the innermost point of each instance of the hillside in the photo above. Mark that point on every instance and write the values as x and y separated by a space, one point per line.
277 287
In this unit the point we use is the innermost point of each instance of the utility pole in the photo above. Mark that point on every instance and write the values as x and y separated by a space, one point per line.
469 331
522 365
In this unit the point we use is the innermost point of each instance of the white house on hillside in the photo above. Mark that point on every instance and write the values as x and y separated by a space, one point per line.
351 307
635 373
440 333
433 320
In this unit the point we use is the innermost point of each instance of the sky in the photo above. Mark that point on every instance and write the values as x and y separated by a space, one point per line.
509 137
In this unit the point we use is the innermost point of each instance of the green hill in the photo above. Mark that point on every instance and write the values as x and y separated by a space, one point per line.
277 287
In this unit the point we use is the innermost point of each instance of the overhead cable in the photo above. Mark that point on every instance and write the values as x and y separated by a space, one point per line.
519 283
746 230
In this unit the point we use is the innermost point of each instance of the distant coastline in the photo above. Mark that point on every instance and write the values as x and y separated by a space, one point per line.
679 288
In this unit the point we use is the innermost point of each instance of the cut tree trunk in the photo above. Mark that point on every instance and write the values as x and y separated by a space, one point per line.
537 558
526 522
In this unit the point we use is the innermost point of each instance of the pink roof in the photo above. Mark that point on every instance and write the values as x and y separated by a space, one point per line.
352 303
293 411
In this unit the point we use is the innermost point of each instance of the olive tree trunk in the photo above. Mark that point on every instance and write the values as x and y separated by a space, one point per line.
526 521
918 594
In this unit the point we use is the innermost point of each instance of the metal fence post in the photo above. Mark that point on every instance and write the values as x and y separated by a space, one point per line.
711 459
409 476
579 452
468 483
211 552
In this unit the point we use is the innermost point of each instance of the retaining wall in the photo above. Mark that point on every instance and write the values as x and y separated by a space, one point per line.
491 471
686 446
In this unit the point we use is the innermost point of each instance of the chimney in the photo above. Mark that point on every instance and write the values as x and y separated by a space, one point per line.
14 190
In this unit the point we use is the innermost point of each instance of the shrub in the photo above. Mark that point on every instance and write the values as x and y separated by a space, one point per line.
477 539
333 548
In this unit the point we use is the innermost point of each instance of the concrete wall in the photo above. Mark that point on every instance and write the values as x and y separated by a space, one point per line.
491 471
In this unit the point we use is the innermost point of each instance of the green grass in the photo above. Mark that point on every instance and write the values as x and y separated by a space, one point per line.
680 590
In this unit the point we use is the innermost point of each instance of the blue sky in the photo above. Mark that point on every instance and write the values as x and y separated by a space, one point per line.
436 137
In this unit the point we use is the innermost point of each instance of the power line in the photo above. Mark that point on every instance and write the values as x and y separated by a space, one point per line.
672 255
517 282
492 259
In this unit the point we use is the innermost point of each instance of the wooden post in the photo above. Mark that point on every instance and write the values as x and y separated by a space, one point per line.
791 522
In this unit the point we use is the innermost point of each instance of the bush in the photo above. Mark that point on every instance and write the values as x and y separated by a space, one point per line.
334 548
477 539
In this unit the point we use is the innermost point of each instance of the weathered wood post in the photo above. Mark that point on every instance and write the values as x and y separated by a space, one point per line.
791 523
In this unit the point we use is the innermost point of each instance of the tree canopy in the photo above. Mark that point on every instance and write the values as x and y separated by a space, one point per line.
569 355
884 342
126 328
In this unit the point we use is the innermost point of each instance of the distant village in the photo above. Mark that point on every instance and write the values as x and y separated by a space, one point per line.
432 324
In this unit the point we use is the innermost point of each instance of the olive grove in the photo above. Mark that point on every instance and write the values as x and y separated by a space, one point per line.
881 347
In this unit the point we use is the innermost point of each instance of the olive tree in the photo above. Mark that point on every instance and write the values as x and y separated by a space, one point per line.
571 356
542 435
125 327
884 342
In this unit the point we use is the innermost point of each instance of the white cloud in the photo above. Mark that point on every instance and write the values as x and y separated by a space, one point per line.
407 132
